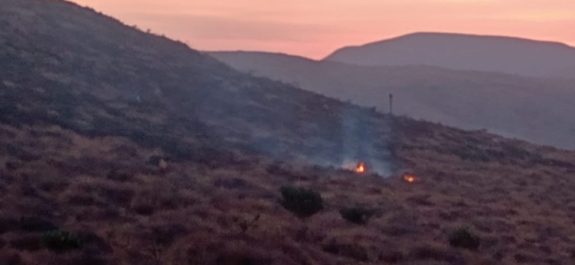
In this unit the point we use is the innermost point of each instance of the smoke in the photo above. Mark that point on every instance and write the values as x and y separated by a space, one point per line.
366 138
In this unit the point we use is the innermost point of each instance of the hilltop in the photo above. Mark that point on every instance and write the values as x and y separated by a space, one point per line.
466 52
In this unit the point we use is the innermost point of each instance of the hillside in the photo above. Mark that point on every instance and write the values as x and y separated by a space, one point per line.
124 207
534 109
93 75
466 52
121 147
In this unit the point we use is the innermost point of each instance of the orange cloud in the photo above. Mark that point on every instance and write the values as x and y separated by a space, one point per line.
316 28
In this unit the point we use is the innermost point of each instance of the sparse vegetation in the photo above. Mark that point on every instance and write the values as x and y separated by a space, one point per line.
302 202
464 238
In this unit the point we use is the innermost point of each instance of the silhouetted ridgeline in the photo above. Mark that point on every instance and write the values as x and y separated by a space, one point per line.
466 52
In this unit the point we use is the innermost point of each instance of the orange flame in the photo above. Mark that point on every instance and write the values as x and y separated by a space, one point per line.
409 178
360 168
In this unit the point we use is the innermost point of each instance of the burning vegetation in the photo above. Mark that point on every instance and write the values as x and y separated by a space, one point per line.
410 178
360 168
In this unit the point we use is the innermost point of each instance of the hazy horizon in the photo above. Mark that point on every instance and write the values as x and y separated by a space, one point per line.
315 30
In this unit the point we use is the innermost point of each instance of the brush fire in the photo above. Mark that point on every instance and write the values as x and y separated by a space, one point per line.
409 178
360 168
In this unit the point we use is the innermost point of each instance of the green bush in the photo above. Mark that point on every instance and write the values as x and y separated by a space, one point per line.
302 202
60 241
463 238
356 215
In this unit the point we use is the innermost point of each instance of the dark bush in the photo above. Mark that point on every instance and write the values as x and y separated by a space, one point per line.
92 243
231 183
11 165
356 215
165 235
143 209
154 160
117 195
118 175
302 202
463 238
60 241
524 257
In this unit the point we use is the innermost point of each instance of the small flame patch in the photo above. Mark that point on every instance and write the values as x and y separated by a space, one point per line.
409 178
360 168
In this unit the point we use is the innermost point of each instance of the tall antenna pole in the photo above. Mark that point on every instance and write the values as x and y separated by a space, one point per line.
390 103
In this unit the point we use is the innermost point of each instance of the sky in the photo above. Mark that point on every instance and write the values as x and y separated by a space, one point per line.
315 28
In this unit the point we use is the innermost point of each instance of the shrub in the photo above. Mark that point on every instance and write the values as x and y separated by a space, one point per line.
302 202
60 241
154 160
118 175
143 209
356 215
463 238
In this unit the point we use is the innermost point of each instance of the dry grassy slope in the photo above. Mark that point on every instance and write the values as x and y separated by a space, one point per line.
107 189
66 65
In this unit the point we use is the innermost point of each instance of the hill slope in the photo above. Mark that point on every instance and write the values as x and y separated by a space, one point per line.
91 74
527 108
124 207
105 160
466 52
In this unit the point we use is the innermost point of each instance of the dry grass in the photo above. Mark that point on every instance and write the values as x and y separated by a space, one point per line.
132 212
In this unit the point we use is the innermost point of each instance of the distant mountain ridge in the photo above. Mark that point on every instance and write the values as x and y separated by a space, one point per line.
535 109
466 52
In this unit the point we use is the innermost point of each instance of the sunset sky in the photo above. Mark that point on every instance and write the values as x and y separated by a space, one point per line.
314 28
